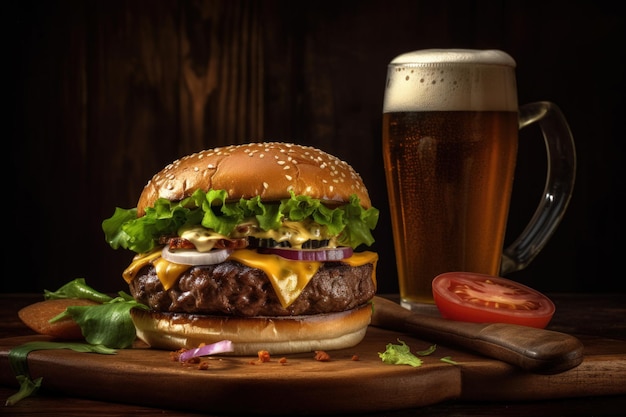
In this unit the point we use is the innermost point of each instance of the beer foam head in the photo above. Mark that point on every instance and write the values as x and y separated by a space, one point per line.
451 80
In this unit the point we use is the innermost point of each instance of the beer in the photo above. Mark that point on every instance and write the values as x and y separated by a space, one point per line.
449 179
450 129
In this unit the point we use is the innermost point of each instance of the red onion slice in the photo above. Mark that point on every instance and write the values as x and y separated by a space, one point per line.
320 255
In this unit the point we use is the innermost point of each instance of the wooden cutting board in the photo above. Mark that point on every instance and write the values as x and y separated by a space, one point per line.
353 380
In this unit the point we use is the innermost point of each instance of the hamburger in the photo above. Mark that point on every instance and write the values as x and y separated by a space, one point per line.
257 244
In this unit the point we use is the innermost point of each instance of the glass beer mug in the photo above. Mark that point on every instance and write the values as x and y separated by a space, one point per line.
450 137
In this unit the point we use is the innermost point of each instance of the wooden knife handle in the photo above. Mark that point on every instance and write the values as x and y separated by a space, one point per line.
535 350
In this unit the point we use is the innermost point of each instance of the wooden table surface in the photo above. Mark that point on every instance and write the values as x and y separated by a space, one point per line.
598 315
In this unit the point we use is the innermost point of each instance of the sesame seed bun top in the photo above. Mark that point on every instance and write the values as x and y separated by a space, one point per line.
270 170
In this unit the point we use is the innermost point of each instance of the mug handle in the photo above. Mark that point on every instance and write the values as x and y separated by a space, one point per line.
561 173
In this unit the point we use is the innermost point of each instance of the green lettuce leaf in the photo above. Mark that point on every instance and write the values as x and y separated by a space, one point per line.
224 220
351 223
113 227
359 223
399 355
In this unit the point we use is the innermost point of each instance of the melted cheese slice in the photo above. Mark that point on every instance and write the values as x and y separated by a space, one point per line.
139 261
288 277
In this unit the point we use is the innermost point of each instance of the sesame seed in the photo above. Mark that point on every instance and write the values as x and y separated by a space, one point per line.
289 177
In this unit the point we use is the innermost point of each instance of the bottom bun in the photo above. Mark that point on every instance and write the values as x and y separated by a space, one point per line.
277 335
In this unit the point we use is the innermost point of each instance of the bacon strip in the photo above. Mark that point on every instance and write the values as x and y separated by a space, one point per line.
177 242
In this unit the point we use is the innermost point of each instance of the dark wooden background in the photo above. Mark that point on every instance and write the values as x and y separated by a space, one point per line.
102 94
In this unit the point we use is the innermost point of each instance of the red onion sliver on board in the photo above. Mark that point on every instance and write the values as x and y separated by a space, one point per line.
212 349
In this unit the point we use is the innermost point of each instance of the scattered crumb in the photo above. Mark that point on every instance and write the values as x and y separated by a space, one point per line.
192 361
321 356
264 356
174 356
355 357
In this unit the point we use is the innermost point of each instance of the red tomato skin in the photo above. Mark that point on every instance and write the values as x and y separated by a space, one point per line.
455 307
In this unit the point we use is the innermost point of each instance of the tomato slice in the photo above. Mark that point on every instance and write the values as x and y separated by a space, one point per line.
479 298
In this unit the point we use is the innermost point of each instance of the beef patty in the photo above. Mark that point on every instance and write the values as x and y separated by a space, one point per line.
231 288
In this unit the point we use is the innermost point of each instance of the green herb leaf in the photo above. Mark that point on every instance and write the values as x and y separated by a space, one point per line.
18 355
399 355
105 326
448 359
427 352
28 387
108 324
77 288
19 364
